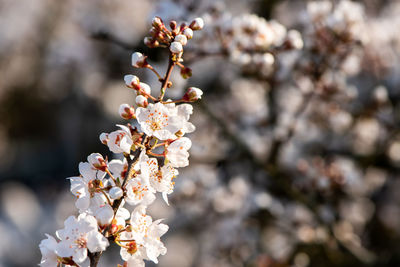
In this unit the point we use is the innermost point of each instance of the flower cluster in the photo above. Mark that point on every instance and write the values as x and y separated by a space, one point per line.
150 153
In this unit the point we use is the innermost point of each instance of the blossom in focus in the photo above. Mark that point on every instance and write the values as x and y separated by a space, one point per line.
80 235
177 152
160 178
84 186
139 191
121 140
163 121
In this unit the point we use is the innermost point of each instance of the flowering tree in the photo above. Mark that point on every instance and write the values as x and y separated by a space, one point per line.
152 152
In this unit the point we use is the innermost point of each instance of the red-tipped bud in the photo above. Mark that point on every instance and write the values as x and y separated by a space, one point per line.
139 60
103 138
150 42
141 101
145 89
192 94
126 111
97 161
197 24
186 72
157 23
172 25
188 32
132 81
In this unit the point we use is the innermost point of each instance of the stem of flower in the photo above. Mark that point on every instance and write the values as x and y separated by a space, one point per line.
164 83
155 72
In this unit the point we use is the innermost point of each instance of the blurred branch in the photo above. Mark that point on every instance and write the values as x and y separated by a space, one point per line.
106 37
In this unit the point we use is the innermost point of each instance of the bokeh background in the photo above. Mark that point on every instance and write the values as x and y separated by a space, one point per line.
294 165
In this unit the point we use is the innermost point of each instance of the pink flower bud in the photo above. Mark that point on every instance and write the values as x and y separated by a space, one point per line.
132 81
181 38
188 33
157 23
141 101
186 72
176 47
103 138
150 42
193 94
97 161
197 24
144 88
138 60
126 112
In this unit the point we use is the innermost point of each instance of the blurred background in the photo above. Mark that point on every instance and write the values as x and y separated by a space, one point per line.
296 156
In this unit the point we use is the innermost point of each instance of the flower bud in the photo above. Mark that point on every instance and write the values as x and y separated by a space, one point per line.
126 111
157 23
97 161
132 81
103 138
172 25
197 24
144 87
141 101
181 38
150 42
176 47
115 192
192 94
138 60
104 215
188 33
186 72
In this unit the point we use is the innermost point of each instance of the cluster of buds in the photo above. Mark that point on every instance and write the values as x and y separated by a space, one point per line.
150 156
175 38
250 41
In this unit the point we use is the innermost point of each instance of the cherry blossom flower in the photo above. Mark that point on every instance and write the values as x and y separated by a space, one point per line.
47 248
121 140
177 152
80 235
139 191
84 187
163 121
160 178
146 234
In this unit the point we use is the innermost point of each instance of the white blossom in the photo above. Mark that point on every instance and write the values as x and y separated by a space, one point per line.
84 186
139 191
160 178
163 121
121 140
47 248
80 235
177 152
